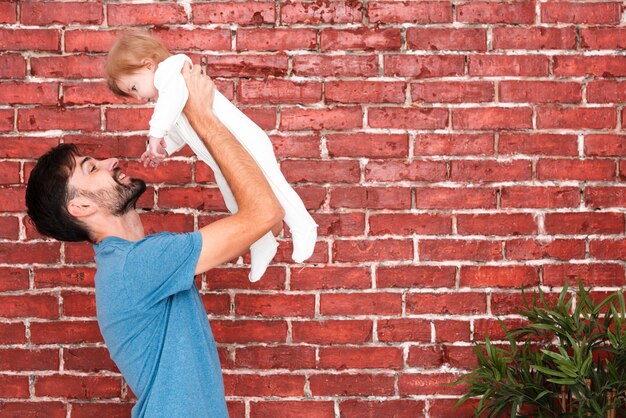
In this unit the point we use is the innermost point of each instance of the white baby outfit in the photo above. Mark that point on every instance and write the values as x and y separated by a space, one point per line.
170 123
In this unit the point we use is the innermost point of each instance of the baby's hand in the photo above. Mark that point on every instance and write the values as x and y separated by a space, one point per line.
155 152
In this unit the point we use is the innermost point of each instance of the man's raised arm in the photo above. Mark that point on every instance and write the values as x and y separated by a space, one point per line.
259 210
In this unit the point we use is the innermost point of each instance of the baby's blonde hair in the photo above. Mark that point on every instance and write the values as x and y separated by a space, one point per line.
127 54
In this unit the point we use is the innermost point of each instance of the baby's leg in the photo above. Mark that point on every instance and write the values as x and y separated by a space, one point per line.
255 141
264 249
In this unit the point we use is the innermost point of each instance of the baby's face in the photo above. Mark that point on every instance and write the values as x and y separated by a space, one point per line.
139 84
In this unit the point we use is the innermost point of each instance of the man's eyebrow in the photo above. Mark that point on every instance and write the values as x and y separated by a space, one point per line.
84 160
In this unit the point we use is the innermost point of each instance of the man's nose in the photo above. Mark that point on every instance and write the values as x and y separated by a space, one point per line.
110 163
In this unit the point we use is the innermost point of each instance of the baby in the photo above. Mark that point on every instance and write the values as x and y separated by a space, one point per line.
140 66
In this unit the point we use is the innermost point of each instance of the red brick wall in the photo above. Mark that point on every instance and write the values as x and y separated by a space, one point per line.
451 152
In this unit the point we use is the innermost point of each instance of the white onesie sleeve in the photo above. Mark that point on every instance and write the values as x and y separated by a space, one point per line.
173 95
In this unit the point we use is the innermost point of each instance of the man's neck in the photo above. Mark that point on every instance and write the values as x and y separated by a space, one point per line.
127 226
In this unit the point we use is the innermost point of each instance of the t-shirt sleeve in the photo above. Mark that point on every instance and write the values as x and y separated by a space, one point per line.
162 265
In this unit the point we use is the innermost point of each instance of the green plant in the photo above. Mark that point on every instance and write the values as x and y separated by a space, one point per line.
568 360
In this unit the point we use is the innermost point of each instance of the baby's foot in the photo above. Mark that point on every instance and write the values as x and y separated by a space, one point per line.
303 243
261 254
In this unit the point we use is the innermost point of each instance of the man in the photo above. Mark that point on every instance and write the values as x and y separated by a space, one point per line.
148 307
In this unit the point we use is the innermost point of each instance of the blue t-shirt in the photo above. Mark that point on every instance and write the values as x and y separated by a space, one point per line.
155 326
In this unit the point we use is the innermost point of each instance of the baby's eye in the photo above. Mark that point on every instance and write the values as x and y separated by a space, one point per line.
133 88
92 169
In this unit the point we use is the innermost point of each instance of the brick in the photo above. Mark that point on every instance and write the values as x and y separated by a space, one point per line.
12 200
79 304
6 120
396 330
29 253
540 197
506 224
279 91
279 385
45 118
426 356
30 39
492 328
588 13
372 250
41 14
275 305
292 409
8 12
606 91
444 250
9 229
452 92
341 358
534 38
490 171
91 93
560 249
127 119
154 222
368 145
237 278
30 93
537 144
408 118
448 198
17 359
84 40
276 357
68 332
603 38
9 173
106 144
29 306
440 408
79 253
590 274
387 39
519 12
422 384
332 331
539 92
335 65
339 118
576 118
351 385
584 223
25 147
302 146
344 224
582 170
393 171
12 333
276 39
12 66
246 65
415 276
409 224
71 66
33 409
88 359
600 66
438 39
508 65
244 331
314 13
409 11
492 118
215 304
454 144
78 387
512 303
424 66
496 276
169 172
313 278
145 14
448 331
321 171
397 408
13 278
247 13
13 387
605 197
349 304
111 410
195 39
446 303
364 92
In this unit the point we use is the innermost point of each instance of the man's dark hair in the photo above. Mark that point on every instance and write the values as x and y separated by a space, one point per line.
48 193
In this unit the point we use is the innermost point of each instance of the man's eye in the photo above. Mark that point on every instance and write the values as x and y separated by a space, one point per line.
133 88
92 169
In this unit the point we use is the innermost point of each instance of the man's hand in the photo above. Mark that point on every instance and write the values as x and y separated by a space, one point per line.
201 89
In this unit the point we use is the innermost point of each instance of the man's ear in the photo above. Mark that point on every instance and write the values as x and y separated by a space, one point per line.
149 64
80 207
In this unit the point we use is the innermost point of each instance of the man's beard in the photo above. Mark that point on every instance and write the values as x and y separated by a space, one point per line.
122 198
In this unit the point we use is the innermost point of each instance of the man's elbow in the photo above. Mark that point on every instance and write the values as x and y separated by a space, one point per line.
275 214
